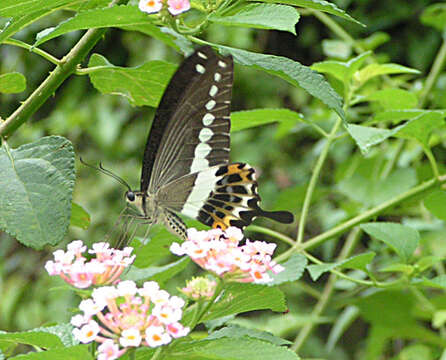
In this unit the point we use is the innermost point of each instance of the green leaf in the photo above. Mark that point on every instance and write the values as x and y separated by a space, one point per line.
155 249
241 120
225 349
372 191
292 72
124 16
36 185
69 353
236 332
157 273
373 41
261 16
79 217
438 282
402 239
435 16
418 128
427 262
398 267
372 70
294 268
18 23
141 85
396 116
415 352
239 298
12 83
63 332
34 338
355 262
436 204
336 49
421 127
394 98
13 8
342 70
319 5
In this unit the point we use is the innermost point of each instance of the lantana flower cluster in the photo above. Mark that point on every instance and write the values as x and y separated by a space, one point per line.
199 288
219 251
105 267
175 7
124 316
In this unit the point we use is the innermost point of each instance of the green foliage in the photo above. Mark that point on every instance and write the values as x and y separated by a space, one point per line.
260 16
224 349
143 85
12 83
402 239
353 142
37 184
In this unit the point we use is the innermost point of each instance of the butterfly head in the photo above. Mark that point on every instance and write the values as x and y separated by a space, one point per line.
136 200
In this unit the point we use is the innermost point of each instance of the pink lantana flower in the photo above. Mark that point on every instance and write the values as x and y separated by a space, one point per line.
219 251
124 316
177 7
150 6
104 267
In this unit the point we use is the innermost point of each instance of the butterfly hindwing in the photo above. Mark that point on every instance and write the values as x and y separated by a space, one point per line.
221 196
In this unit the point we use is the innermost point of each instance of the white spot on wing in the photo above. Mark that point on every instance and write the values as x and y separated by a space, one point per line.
217 77
222 64
203 186
213 91
208 119
205 134
203 56
199 164
210 104
200 68
202 150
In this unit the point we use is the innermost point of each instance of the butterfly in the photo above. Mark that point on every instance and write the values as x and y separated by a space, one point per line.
185 168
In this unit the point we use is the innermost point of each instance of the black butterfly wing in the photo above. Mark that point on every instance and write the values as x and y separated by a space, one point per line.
190 132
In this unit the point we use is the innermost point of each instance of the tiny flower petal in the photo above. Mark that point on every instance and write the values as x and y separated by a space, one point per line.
87 333
178 6
150 6
130 337
109 350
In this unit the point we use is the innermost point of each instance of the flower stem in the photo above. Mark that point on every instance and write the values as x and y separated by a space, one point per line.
434 73
314 177
326 294
272 233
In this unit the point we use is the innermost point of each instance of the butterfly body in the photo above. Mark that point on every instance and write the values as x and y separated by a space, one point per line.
186 160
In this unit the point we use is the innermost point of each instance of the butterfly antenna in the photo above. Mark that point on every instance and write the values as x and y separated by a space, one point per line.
103 170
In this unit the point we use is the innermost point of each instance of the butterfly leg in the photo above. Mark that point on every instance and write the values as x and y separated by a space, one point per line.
174 224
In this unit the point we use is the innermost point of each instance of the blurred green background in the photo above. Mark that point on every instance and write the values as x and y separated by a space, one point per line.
108 129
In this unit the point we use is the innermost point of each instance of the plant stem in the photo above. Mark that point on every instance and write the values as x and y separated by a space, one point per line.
63 70
341 228
33 49
272 233
205 309
434 73
326 294
337 29
314 177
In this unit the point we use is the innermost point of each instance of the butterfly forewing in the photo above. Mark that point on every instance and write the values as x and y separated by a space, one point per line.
196 134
